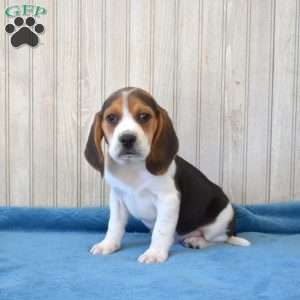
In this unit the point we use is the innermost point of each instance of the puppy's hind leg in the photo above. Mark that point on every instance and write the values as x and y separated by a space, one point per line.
219 232
238 241
232 240
196 242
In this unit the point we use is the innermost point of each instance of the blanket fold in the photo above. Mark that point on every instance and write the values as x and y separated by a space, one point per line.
269 218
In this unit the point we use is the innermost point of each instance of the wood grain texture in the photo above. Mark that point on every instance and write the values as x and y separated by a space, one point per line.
67 13
20 105
227 71
3 111
212 60
43 94
235 98
296 145
164 56
140 43
187 85
259 100
92 76
296 183
117 40
282 113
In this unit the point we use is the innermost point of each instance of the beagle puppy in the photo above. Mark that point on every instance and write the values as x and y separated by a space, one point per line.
151 182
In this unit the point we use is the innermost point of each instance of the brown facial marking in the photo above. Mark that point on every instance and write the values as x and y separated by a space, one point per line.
112 116
143 115
164 145
93 151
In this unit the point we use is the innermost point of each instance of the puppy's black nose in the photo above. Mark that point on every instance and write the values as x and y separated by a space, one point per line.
127 140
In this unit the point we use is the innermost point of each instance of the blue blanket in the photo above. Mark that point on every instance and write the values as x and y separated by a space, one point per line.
44 255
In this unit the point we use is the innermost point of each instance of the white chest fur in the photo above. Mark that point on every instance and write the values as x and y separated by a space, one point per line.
142 205
139 190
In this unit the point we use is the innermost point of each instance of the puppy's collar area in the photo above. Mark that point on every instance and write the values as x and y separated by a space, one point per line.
123 165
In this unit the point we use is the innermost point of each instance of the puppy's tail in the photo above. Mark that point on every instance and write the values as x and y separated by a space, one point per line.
238 241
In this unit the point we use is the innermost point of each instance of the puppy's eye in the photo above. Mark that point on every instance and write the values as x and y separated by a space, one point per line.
112 119
144 117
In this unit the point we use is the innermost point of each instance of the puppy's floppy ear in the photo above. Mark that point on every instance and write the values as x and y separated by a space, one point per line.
164 145
93 152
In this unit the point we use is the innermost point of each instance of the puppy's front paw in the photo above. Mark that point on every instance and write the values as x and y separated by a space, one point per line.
104 248
153 256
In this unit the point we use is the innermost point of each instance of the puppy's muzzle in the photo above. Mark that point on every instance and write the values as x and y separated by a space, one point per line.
128 142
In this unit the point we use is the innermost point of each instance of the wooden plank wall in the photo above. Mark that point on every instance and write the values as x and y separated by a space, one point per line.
226 70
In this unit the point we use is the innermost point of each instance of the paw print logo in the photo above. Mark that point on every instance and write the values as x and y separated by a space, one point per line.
23 34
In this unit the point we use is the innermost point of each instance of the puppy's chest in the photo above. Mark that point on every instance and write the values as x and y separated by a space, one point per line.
142 206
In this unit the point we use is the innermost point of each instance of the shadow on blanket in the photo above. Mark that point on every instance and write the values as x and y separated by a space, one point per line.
44 255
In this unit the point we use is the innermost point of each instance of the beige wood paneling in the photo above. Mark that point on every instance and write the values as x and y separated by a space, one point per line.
227 71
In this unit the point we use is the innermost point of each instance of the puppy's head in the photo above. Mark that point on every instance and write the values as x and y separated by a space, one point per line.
135 128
